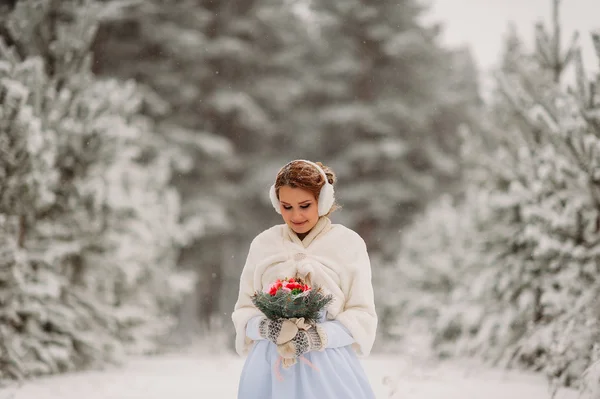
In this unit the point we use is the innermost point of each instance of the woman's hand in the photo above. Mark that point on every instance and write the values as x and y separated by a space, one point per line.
305 340
277 331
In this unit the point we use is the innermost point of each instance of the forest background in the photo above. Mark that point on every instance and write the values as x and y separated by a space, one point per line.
139 139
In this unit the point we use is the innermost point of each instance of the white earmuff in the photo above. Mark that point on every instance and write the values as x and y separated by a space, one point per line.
326 195
274 199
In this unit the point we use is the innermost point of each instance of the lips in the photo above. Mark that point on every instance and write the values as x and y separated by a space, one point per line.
298 224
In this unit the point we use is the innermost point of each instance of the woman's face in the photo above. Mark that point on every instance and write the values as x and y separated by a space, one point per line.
299 208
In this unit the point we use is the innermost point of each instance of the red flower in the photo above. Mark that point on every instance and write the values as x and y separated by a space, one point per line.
293 286
275 287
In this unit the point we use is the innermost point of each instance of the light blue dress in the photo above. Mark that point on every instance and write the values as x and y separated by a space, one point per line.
338 373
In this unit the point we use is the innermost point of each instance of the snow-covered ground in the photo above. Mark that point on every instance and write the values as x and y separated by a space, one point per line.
196 375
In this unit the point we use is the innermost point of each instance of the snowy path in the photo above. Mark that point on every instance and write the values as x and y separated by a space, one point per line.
193 376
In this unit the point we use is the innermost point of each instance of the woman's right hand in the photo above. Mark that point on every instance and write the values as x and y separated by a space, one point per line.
278 331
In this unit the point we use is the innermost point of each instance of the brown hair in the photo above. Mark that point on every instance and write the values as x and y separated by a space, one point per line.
299 174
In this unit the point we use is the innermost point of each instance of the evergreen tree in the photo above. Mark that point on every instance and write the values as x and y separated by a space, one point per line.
90 222
525 292
428 270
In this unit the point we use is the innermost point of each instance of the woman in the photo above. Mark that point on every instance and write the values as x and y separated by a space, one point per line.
329 255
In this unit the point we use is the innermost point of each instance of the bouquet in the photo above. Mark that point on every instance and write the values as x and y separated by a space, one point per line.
297 302
291 298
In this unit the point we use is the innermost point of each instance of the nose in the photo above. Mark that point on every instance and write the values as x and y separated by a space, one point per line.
297 215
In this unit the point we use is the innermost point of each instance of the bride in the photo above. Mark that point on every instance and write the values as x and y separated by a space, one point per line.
333 257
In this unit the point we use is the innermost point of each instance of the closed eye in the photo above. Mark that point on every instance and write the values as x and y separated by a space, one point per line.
301 206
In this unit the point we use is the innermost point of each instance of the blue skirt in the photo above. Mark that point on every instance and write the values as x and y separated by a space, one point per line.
335 373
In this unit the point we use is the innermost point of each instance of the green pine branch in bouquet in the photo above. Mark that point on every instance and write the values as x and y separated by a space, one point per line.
291 298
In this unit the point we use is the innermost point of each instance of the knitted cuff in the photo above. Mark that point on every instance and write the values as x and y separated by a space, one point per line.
322 336
263 327
314 339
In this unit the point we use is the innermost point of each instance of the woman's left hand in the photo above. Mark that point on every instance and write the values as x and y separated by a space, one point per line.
306 340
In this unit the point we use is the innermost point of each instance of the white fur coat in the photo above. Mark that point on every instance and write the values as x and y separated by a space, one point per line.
333 256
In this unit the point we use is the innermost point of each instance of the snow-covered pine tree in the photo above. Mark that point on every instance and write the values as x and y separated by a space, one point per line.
90 223
543 232
428 269
535 237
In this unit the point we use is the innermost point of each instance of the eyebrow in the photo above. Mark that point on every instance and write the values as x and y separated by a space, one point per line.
302 202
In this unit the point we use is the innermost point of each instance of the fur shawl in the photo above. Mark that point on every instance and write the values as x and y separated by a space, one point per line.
331 256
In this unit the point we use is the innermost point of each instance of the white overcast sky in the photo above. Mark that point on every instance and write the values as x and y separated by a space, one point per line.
482 23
